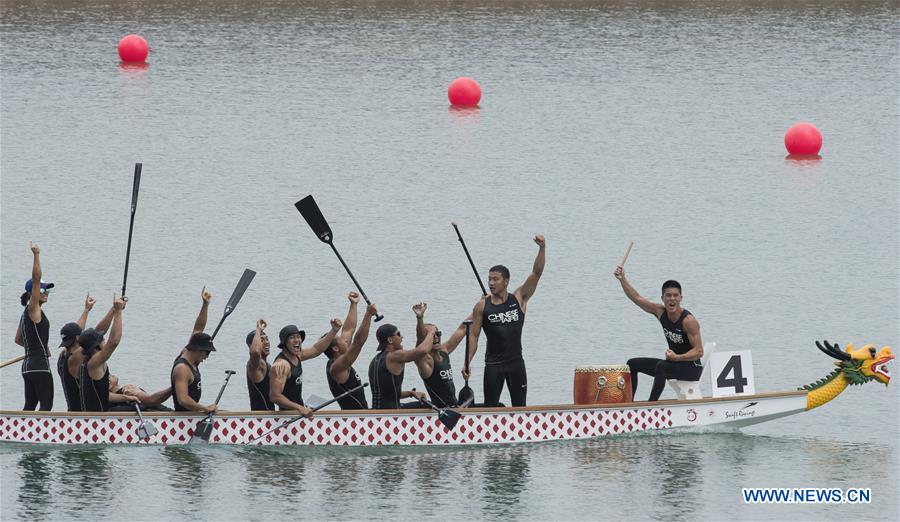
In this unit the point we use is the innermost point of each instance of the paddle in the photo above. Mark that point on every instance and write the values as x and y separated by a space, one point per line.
466 250
204 428
625 257
14 360
317 408
232 303
144 430
448 417
134 195
466 395
316 221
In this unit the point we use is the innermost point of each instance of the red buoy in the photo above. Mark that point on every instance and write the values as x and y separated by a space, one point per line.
133 49
464 92
803 139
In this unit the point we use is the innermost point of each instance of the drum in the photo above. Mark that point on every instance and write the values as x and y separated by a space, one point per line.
602 384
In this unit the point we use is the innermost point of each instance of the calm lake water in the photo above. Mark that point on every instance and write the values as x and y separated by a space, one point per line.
601 123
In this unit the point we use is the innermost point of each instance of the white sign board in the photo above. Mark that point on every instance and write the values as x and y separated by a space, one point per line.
731 373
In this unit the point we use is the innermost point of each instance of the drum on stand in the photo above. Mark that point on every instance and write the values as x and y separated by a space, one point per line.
602 384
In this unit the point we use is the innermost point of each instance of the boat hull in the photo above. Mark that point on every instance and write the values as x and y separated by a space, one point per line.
404 427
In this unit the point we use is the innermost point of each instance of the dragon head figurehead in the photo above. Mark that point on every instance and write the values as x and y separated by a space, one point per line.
854 366
863 364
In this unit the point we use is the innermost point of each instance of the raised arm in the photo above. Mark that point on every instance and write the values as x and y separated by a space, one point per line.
257 344
419 310
34 304
524 292
322 344
200 323
456 337
115 336
405 356
106 321
278 375
645 304
346 360
88 306
350 322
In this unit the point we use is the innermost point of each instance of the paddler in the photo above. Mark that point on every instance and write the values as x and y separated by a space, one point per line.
343 352
68 365
286 374
386 369
185 375
122 396
93 375
682 332
502 316
434 368
33 333
258 368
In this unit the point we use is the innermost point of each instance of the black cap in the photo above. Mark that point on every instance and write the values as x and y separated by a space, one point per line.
201 342
69 333
384 331
288 331
250 337
90 339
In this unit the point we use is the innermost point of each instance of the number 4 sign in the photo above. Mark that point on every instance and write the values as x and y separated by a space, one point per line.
731 373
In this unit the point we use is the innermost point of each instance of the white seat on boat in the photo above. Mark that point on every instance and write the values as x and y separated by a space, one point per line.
691 389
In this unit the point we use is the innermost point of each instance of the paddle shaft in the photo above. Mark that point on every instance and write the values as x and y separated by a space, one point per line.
466 365
14 360
317 408
134 194
625 257
472 263
352 277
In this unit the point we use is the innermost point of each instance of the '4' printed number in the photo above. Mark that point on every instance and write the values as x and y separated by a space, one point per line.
733 366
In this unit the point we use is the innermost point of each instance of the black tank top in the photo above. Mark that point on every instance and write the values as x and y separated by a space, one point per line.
440 385
386 386
502 325
94 393
259 392
293 385
354 401
36 338
69 383
194 389
675 335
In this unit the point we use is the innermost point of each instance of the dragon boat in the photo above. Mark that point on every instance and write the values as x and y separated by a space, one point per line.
475 425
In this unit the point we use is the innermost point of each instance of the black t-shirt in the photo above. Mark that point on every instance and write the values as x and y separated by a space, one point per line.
440 384
35 337
259 392
194 389
94 393
293 385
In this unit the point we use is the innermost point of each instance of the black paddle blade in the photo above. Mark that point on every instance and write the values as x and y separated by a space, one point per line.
246 279
136 186
202 431
314 218
449 418
466 395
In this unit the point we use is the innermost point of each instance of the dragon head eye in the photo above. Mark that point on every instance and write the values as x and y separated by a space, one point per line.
872 351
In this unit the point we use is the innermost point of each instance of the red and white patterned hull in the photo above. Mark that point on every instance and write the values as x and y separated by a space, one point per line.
402 427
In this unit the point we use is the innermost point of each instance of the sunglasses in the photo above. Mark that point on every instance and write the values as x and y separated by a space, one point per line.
396 333
44 291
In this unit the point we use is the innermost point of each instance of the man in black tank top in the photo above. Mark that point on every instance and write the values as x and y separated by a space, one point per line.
682 332
286 374
185 375
501 315
93 376
386 369
70 359
342 354
434 368
258 369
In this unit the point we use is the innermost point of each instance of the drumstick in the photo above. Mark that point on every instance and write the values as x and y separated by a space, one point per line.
625 258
